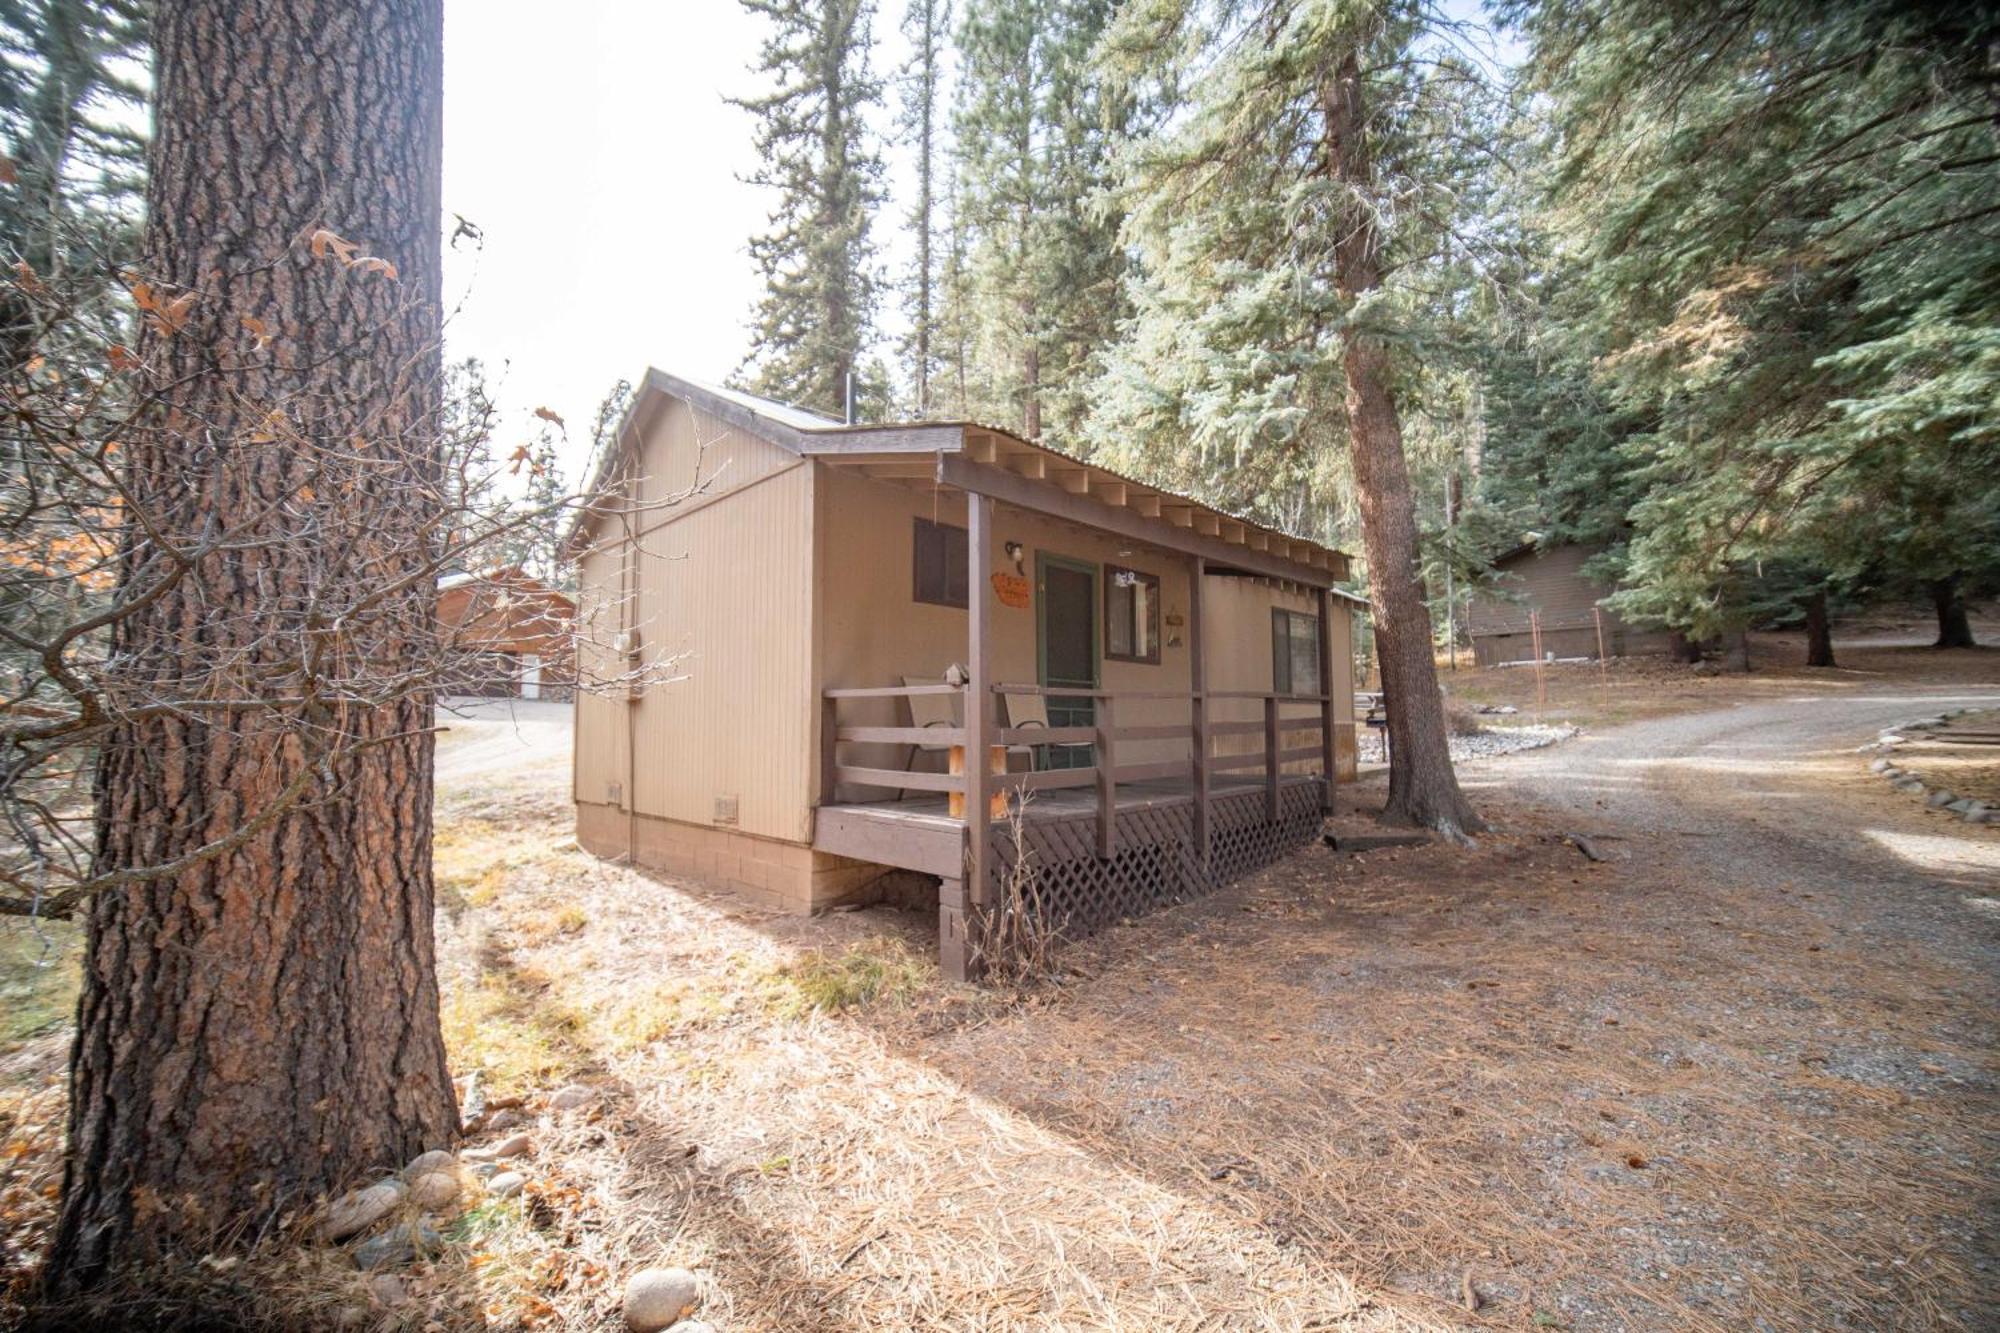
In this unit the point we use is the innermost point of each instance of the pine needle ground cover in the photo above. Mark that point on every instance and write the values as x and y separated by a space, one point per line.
1880 649
1421 1089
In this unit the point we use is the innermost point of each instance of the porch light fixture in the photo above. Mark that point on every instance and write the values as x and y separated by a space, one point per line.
1018 554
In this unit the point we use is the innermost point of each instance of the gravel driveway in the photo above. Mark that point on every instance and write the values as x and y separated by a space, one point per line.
1777 793
1739 1075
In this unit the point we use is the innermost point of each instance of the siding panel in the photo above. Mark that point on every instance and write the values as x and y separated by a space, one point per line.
723 589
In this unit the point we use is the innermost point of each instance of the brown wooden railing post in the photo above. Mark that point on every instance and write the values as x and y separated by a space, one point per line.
978 696
829 747
1327 749
1198 708
1107 778
1271 758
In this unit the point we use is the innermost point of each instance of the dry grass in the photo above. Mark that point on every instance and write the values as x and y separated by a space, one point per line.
1334 1097
1637 688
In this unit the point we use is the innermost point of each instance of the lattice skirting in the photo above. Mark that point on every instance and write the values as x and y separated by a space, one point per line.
1155 863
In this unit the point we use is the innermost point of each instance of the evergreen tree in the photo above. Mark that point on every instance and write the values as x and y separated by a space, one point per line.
925 24
1782 216
815 323
72 115
258 1019
1036 126
1293 225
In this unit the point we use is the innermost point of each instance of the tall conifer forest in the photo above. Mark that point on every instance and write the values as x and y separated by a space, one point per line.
1714 288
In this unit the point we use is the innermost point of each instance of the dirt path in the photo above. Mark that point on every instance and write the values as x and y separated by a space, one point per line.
1742 1075
1776 793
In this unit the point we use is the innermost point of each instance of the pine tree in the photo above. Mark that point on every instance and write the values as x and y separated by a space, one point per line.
1035 127
926 24
1782 217
1280 315
815 323
259 1025
71 130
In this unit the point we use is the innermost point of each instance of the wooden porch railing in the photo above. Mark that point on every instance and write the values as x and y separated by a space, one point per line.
833 736
1276 730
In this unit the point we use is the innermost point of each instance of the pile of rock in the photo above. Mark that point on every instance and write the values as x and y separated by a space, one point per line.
434 1186
1892 739
397 1220
1486 743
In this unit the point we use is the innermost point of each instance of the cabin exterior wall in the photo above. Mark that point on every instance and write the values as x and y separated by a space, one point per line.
1237 615
1551 580
710 772
874 632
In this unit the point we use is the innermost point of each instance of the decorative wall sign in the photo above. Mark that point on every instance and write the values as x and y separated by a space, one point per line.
1012 590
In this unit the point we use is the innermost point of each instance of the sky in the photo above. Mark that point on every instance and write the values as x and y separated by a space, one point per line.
599 159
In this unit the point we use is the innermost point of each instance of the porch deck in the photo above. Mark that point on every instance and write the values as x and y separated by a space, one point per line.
1065 863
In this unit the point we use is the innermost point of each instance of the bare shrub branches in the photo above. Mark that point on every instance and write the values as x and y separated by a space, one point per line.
310 545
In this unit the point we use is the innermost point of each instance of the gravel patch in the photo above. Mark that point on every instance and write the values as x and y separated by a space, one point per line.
1486 744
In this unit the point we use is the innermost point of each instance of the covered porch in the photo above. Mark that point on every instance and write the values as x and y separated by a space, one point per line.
1133 770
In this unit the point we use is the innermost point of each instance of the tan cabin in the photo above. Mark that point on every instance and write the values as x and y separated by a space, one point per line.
799 630
1543 599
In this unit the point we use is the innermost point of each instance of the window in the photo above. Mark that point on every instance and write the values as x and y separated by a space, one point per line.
940 564
1131 615
1294 653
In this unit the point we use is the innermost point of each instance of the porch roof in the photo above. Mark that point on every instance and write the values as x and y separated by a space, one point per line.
985 459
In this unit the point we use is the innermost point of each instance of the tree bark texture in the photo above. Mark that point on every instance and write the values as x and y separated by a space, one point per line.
1954 626
1423 788
1736 651
264 1027
1681 648
1819 632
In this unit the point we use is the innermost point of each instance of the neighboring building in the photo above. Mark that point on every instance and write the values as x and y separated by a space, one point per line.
814 584
514 636
1549 580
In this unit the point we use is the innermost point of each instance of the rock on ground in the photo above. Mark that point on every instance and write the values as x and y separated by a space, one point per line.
437 1159
511 1146
506 1185
398 1245
434 1190
357 1210
573 1096
656 1298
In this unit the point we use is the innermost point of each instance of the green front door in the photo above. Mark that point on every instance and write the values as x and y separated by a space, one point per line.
1066 638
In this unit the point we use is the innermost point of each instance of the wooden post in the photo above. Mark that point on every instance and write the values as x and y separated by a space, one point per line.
1107 779
1198 708
978 693
829 731
954 939
1603 668
1271 758
1327 749
1541 683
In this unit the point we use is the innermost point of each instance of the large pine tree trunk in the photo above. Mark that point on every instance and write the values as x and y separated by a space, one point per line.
1819 631
264 1027
1954 626
1423 788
